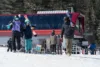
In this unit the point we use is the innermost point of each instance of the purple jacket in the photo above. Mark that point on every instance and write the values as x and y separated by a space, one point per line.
16 26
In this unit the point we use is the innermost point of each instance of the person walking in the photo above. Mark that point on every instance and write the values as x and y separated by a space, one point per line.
67 33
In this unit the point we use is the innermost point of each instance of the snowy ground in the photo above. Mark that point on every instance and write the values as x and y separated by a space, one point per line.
40 60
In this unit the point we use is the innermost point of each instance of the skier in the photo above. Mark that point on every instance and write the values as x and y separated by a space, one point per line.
16 27
28 38
16 33
28 34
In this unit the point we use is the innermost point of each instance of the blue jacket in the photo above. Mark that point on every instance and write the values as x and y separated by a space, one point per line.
16 26
92 47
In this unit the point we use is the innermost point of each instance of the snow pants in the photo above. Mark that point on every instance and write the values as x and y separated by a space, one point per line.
28 45
16 37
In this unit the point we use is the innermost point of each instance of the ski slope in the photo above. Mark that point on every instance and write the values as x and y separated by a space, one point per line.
8 59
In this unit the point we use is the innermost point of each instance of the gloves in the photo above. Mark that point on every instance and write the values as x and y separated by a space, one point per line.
8 26
35 35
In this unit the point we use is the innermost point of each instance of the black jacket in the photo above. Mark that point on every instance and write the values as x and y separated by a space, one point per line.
28 32
67 30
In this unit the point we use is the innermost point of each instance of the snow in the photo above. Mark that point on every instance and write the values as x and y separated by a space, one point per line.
10 59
